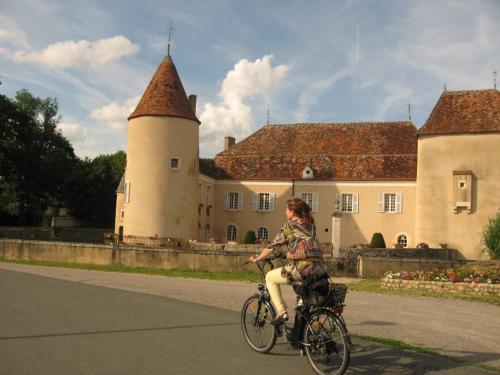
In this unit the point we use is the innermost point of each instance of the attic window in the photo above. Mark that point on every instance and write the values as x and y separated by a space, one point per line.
175 163
307 172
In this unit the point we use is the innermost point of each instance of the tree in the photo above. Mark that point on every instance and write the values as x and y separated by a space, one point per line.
250 237
91 194
35 158
377 241
491 237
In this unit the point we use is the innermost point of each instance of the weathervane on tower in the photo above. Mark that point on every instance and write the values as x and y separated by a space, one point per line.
170 31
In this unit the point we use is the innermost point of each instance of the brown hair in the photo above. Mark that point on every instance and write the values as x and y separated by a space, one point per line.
301 209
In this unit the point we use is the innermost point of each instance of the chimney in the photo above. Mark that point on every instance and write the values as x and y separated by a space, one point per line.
228 142
192 103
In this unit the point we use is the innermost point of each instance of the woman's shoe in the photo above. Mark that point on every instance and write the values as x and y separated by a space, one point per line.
280 319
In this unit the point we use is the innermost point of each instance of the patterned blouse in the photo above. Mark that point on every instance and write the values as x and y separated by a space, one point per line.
299 239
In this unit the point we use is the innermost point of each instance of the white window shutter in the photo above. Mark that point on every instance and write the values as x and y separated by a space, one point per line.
226 201
272 198
298 195
240 201
380 202
255 201
315 204
399 202
338 202
355 205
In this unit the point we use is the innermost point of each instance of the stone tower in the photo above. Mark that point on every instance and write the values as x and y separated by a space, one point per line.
161 178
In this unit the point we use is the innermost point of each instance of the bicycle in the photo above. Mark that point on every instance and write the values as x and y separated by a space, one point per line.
319 329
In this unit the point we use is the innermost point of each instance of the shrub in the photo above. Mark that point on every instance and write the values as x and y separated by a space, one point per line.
250 237
422 245
377 241
491 237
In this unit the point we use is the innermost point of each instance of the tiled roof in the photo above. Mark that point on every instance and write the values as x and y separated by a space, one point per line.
458 112
343 152
208 168
165 95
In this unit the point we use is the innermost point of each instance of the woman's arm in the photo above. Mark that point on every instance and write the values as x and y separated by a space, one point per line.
264 254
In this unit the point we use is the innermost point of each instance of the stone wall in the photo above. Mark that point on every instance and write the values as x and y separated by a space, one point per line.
441 286
85 235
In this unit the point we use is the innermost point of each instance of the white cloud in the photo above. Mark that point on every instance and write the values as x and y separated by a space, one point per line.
70 53
231 116
11 33
74 132
115 114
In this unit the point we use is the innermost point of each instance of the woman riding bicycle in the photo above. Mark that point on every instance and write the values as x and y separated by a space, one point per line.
297 242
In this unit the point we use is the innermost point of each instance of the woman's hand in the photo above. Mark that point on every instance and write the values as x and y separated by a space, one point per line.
253 259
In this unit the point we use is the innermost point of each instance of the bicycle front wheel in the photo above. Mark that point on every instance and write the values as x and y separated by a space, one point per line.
256 317
326 343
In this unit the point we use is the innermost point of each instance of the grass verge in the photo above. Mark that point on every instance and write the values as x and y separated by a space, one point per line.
423 350
367 285
373 286
176 272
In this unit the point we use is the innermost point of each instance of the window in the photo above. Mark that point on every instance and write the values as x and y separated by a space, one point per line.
233 201
209 195
402 240
231 232
175 163
199 209
263 201
390 202
347 202
127 192
207 233
208 211
122 213
311 199
262 233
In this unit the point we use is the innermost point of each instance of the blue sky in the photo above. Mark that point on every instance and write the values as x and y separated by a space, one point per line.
311 61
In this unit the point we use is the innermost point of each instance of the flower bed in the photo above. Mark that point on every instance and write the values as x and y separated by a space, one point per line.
445 280
447 275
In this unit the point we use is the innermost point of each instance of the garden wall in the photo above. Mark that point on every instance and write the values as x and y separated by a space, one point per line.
85 235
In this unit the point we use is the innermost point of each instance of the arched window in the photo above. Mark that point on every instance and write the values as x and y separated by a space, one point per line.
207 233
402 240
231 232
262 233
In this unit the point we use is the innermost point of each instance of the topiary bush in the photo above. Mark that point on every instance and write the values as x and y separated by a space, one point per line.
250 237
491 237
377 241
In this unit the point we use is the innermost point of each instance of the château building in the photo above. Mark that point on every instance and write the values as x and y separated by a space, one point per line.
438 184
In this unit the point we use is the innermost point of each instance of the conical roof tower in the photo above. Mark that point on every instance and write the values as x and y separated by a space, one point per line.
161 178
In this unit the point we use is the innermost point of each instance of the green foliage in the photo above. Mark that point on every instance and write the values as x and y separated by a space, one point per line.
377 241
34 157
491 237
250 237
92 189
40 171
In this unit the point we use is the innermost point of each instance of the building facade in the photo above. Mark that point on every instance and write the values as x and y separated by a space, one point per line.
359 178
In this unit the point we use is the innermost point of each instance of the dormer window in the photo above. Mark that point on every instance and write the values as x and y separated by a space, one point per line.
307 172
175 163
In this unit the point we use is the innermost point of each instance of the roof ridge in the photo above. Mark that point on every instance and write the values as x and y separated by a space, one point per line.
360 123
462 92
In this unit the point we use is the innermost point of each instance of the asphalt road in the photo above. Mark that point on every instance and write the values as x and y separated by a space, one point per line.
53 326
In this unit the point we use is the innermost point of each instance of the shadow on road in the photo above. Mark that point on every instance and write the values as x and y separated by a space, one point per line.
62 334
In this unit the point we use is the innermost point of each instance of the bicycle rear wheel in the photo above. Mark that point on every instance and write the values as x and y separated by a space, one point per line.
326 343
256 317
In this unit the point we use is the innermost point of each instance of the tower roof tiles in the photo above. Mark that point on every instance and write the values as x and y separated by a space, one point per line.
165 95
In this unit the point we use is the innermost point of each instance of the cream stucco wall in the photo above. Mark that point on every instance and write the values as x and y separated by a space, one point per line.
355 228
163 201
118 212
438 156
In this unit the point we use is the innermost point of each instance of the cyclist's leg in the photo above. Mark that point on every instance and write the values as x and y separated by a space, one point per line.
274 279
